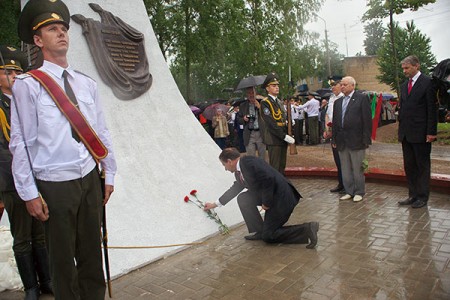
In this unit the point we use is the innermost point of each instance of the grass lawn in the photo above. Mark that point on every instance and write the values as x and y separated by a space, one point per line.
443 135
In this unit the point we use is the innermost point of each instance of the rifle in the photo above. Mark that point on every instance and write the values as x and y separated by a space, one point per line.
105 237
292 147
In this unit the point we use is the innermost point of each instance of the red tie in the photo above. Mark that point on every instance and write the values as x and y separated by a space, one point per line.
410 85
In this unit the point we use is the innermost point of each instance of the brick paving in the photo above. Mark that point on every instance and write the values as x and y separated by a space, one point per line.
373 249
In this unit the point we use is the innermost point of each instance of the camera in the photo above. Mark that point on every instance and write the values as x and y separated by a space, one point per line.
251 121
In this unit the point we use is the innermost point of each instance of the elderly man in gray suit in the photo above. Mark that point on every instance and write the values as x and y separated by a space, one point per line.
352 129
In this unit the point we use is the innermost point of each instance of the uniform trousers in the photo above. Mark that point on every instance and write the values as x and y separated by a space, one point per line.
27 232
417 164
278 156
352 171
73 237
337 161
271 227
313 130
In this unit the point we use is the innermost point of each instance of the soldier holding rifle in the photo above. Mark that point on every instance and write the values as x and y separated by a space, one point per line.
58 135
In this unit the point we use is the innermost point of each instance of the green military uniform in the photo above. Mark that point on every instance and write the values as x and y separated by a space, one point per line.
273 115
28 233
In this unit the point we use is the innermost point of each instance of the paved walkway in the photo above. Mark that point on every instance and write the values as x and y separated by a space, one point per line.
368 250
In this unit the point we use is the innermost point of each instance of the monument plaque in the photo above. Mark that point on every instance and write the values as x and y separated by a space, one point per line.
118 52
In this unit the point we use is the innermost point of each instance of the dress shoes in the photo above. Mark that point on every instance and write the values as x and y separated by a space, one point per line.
418 204
346 197
313 228
357 198
408 201
337 189
254 237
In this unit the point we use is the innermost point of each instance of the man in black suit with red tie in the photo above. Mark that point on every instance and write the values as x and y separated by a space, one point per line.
417 117
268 188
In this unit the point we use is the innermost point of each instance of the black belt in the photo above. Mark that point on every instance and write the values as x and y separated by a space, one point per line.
254 129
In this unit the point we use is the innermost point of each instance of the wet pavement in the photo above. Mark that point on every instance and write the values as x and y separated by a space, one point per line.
373 249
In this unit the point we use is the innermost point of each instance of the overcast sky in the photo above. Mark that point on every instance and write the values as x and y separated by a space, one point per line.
344 26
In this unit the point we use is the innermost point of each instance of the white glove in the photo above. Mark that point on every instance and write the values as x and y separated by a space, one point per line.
292 122
289 139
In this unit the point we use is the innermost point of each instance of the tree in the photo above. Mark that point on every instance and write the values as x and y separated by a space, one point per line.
379 10
409 42
374 36
9 14
213 44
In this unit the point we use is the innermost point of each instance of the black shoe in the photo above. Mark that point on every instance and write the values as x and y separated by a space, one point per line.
254 237
418 204
314 228
408 201
337 189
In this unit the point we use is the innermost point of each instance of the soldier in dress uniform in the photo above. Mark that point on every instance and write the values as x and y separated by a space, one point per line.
28 233
275 129
61 158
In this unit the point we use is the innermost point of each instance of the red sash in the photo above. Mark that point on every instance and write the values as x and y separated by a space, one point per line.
74 116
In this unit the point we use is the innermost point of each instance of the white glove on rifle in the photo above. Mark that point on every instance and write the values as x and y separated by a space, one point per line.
292 122
289 139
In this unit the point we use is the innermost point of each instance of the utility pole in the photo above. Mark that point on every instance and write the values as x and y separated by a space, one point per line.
326 46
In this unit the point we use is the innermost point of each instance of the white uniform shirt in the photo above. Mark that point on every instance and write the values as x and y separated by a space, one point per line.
54 154
333 98
311 107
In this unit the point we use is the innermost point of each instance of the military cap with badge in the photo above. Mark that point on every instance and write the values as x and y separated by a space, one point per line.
271 78
12 59
39 13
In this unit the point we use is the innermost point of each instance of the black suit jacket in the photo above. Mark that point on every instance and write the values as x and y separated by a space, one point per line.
417 114
274 190
357 131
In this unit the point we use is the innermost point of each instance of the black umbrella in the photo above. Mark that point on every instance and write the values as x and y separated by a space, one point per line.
251 82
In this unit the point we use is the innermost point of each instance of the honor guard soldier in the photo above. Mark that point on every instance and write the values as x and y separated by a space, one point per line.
274 117
27 232
58 139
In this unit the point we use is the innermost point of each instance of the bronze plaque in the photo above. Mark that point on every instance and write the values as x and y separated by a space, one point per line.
118 52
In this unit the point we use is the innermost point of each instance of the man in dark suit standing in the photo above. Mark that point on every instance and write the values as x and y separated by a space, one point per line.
267 188
417 117
352 129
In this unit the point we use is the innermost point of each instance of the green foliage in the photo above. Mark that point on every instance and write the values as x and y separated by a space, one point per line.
379 9
9 14
374 36
409 42
211 45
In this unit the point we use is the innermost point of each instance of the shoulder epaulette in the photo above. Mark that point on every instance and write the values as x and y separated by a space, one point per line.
84 75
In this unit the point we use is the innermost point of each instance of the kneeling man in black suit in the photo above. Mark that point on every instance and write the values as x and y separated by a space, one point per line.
268 188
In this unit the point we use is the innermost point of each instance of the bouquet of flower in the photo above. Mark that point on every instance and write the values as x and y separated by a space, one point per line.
223 228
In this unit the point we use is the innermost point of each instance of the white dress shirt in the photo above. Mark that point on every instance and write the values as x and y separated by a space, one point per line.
311 107
333 98
55 155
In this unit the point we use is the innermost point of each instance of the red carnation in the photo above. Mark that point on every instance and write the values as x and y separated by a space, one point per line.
186 199
193 192
330 124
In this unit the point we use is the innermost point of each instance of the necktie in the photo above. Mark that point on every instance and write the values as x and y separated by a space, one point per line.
344 107
410 82
72 98
239 177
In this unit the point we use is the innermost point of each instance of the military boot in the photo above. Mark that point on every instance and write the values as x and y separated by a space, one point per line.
42 268
27 272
